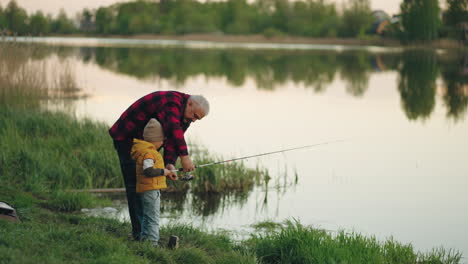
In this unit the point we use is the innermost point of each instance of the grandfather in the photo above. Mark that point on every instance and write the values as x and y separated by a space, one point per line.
175 111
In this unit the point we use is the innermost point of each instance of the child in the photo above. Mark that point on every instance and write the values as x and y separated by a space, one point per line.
151 177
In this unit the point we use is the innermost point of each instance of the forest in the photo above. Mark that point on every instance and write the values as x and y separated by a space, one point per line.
418 20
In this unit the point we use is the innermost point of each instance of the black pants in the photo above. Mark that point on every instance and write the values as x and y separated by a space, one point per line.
128 166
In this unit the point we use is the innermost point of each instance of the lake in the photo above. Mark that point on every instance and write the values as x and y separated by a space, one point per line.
400 171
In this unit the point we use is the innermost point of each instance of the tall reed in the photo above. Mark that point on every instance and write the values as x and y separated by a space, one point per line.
29 79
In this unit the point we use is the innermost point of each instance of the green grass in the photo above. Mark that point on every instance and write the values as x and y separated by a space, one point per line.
48 235
71 201
296 243
43 151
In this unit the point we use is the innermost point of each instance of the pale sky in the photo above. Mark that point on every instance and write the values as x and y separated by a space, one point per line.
73 6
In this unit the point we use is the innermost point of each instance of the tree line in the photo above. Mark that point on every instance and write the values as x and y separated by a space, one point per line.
418 19
15 21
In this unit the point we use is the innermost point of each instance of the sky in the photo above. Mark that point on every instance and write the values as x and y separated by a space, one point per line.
72 7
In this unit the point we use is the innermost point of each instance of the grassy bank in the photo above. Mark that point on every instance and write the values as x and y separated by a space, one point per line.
49 234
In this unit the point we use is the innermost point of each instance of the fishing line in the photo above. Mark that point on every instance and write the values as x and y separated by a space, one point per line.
189 177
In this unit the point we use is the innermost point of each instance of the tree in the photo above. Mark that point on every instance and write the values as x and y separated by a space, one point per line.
3 21
237 17
456 12
357 19
86 21
313 19
420 19
16 18
281 15
105 20
63 25
137 17
39 24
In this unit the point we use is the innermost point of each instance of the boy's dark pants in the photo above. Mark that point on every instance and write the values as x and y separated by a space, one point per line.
128 166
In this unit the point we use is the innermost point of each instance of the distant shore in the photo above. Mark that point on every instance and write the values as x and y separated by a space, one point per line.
372 41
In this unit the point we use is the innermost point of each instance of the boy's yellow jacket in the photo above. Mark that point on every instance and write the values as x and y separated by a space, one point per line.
142 150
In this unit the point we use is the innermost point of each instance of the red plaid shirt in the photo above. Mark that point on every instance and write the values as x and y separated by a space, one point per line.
168 108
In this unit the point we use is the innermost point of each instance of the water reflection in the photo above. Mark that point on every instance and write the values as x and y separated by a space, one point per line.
207 203
455 93
34 76
355 70
174 205
269 69
417 83
200 204
418 70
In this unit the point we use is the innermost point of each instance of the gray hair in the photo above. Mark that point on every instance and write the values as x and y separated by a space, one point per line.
202 102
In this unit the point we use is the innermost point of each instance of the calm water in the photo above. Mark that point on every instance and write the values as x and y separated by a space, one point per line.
402 170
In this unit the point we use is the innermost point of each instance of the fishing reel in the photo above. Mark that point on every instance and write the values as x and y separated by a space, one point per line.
187 177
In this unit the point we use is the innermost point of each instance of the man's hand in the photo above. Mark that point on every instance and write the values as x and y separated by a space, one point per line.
187 163
172 174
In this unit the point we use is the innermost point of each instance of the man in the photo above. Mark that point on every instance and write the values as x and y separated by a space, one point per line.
175 111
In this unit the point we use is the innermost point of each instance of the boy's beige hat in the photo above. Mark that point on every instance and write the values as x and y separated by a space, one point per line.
153 131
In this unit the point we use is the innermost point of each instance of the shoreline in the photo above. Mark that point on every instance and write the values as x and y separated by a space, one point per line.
261 39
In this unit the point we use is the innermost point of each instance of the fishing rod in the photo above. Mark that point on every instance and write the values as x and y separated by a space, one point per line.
189 177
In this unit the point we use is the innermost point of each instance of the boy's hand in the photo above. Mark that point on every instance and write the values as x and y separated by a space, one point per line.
170 172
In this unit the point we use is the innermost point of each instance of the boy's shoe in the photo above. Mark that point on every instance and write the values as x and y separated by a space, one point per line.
173 242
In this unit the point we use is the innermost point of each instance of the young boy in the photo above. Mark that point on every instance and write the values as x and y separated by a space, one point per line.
151 177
